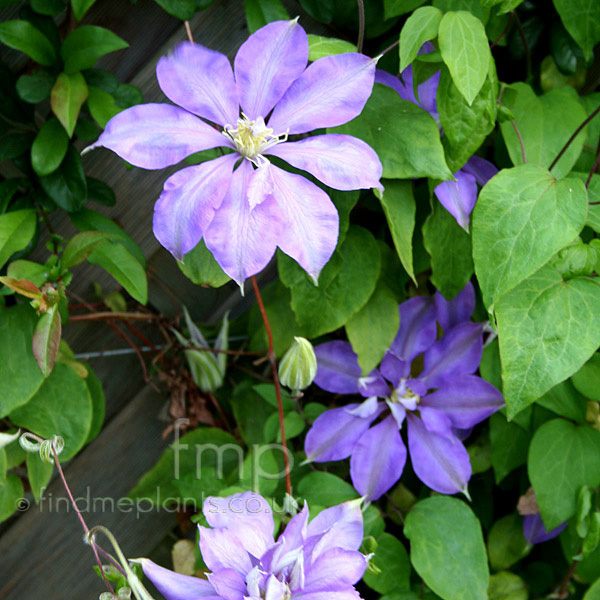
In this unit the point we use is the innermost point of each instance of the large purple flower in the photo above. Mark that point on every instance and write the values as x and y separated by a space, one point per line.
457 197
309 561
439 404
244 213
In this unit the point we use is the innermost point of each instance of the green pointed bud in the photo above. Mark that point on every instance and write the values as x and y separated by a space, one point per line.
298 366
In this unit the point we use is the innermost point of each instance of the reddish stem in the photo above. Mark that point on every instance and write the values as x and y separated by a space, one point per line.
273 361
81 519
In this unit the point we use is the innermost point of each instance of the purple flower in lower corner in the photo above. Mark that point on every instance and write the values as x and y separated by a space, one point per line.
245 213
309 561
439 404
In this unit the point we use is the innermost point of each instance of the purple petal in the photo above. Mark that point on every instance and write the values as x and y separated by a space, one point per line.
340 161
311 221
340 526
174 586
466 399
427 90
458 352
398 412
440 462
535 532
229 584
188 202
243 241
436 421
455 311
222 549
266 65
373 384
418 328
335 433
394 369
201 81
378 459
334 569
365 409
338 371
332 91
154 136
483 170
347 594
458 197
295 532
248 515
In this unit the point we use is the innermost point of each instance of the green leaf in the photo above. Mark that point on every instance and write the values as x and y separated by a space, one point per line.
11 491
123 266
466 126
319 46
14 145
522 218
86 44
67 185
294 425
29 270
79 246
46 338
419 28
180 9
450 249
399 207
587 379
321 10
593 593
39 474
405 137
94 386
98 191
36 87
23 36
16 231
80 7
372 329
68 95
261 12
195 453
447 549
49 147
325 489
250 411
564 400
478 8
547 329
62 406
465 50
20 375
48 7
506 542
545 123
563 457
507 586
86 219
345 284
394 8
581 19
393 564
201 268
102 106
509 446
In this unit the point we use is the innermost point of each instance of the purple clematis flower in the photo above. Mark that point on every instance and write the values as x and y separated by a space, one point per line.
457 197
244 213
535 531
309 561
441 402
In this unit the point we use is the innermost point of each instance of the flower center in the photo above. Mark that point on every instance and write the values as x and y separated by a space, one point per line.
252 138
405 396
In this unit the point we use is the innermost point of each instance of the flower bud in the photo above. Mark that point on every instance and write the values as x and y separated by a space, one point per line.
298 366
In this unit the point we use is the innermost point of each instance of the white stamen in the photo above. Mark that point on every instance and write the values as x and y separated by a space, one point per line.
252 138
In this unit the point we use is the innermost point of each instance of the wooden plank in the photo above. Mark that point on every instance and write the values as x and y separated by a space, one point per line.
43 555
